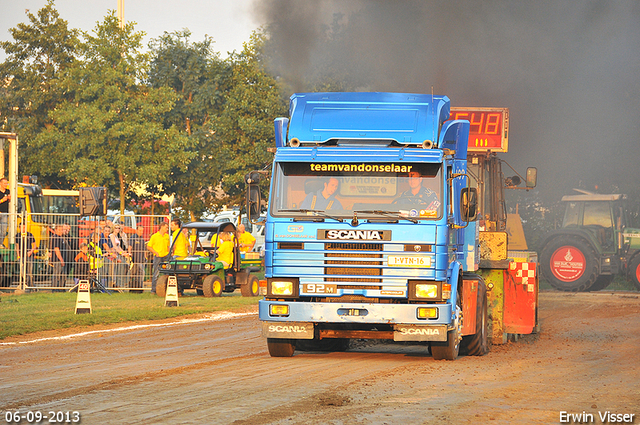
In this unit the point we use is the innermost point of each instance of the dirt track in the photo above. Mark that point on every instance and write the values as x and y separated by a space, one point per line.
586 358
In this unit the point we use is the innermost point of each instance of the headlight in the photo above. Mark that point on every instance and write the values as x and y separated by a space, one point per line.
278 310
427 290
283 288
427 313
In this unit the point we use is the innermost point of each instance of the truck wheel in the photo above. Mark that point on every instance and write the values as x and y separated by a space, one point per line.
161 285
446 350
634 271
212 286
569 264
477 344
251 288
602 282
281 347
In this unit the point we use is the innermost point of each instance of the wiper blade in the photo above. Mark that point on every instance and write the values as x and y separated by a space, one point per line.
317 212
392 214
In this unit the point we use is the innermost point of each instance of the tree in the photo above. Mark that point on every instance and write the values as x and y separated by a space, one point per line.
41 51
112 128
200 79
244 130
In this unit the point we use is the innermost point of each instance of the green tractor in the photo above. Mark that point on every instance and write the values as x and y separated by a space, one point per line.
203 271
593 245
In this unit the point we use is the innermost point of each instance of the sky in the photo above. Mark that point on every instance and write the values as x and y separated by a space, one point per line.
228 22
569 71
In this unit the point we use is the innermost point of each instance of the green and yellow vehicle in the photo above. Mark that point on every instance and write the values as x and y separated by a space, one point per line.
204 271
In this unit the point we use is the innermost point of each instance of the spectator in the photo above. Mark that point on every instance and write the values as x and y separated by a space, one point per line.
5 197
26 251
81 269
246 241
159 246
57 248
180 245
120 255
107 253
96 260
138 251
68 252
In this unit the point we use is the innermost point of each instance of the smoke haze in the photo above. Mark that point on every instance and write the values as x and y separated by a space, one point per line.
568 71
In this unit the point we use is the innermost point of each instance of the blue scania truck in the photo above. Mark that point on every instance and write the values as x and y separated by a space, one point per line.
371 228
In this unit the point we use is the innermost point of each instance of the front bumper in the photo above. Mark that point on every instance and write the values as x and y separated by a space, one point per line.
403 318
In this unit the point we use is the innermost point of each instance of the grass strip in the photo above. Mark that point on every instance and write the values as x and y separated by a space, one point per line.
42 311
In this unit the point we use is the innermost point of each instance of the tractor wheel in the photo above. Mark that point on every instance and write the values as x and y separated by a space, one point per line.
161 285
634 271
569 263
446 350
251 288
477 344
281 347
212 286
602 282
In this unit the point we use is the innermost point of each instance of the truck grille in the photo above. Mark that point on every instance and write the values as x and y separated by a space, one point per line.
343 266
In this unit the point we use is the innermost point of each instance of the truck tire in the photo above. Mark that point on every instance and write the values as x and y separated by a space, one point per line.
634 271
477 344
602 282
161 285
281 347
446 350
212 286
579 259
251 287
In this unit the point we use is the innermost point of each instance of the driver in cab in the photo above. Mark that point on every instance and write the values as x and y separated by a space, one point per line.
323 199
418 194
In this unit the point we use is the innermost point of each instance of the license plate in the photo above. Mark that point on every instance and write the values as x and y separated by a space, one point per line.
408 261
319 288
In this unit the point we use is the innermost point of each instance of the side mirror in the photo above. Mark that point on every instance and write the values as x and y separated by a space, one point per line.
469 203
253 195
532 177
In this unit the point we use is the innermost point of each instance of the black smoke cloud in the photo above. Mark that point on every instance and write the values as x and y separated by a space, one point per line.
568 71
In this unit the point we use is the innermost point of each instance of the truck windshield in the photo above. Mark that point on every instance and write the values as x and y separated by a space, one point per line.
375 190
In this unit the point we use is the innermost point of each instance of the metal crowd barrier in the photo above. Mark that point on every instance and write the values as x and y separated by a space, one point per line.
54 251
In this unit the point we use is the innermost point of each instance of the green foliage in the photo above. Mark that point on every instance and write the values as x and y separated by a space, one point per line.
41 51
245 127
112 128
94 109
200 80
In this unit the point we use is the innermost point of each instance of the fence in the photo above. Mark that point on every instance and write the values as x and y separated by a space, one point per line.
54 251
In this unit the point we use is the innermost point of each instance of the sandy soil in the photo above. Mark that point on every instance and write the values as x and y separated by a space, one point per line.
584 360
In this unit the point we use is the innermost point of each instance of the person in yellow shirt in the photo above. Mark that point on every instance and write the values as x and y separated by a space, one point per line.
246 241
180 241
225 249
159 247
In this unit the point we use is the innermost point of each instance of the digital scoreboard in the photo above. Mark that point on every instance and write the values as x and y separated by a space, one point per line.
489 129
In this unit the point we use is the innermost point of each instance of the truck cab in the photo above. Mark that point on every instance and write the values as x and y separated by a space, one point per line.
370 228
